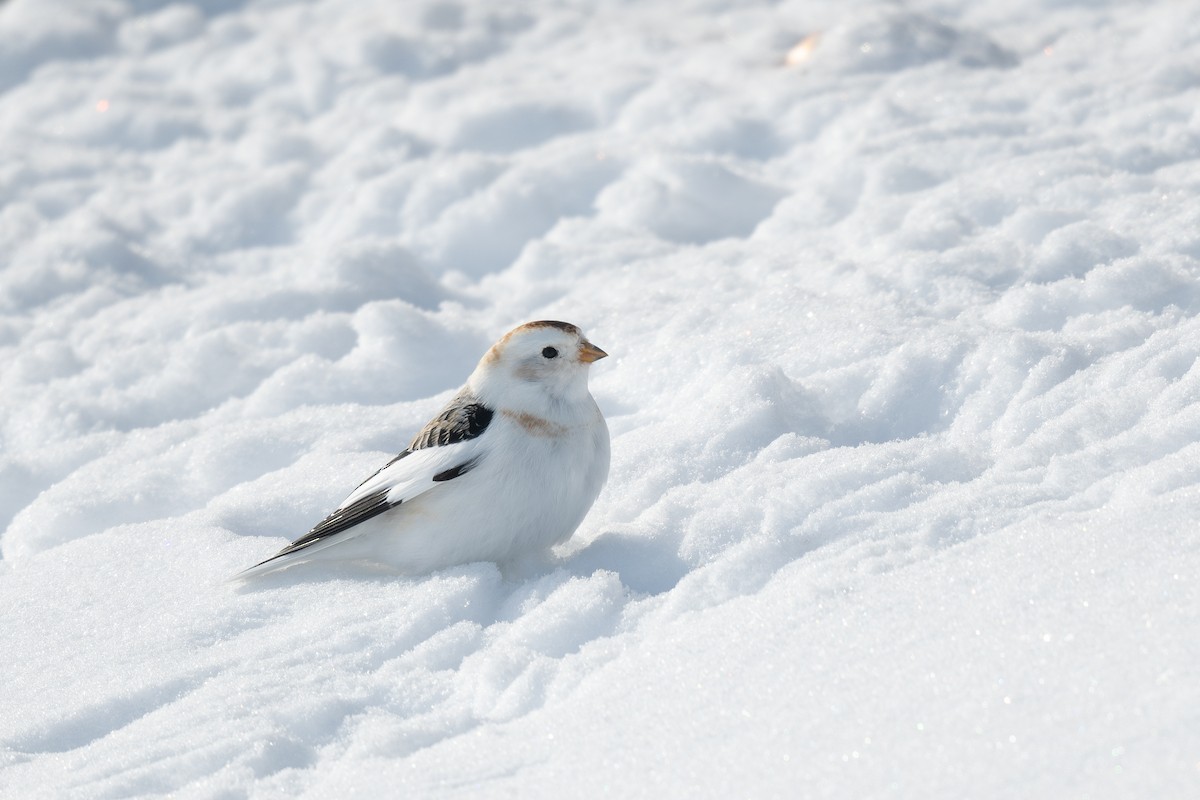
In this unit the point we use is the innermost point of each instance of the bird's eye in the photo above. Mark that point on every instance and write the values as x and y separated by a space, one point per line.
549 352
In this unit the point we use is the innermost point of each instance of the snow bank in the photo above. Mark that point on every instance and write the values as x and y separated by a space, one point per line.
904 392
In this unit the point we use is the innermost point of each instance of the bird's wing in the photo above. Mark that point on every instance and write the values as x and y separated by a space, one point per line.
448 446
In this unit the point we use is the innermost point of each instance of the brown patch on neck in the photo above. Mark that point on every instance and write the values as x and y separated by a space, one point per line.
534 424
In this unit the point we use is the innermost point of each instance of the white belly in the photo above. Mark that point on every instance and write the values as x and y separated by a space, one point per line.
523 498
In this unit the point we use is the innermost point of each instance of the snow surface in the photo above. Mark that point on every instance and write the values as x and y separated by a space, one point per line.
902 301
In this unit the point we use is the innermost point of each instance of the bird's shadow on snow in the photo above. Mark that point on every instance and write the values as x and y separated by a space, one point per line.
644 565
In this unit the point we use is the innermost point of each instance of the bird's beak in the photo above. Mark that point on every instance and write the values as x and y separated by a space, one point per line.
588 353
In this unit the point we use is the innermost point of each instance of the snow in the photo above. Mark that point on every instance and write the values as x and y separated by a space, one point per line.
903 308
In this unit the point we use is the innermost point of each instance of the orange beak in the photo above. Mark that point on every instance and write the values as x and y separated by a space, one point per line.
588 353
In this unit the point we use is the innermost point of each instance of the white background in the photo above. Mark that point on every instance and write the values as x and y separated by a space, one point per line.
902 306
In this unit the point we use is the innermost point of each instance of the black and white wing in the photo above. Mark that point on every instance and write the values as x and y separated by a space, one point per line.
447 447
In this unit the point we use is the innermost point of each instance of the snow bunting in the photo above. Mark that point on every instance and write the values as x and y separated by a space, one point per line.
511 465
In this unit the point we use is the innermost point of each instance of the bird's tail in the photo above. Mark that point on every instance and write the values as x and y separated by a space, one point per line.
286 558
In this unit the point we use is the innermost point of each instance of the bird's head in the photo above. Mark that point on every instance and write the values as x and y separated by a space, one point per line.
536 366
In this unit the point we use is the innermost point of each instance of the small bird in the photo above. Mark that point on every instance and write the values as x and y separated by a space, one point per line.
510 466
